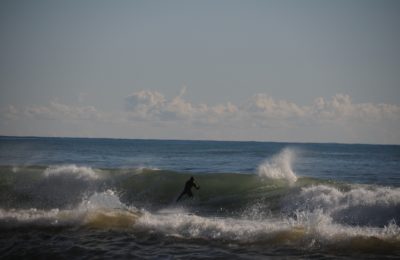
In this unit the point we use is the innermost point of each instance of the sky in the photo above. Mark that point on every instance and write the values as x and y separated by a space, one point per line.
294 71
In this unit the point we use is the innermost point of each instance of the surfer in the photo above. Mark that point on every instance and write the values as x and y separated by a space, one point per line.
188 188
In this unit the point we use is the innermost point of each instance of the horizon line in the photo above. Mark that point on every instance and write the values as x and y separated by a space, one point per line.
191 140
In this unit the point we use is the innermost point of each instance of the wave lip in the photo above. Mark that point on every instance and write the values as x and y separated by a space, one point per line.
279 167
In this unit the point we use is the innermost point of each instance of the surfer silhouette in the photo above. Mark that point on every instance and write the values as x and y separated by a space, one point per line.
188 188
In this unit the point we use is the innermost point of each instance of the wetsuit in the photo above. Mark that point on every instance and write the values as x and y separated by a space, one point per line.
188 189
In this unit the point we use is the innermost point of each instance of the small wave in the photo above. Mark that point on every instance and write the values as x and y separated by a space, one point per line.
279 167
72 170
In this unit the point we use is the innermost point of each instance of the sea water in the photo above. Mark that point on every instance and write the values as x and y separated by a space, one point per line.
115 198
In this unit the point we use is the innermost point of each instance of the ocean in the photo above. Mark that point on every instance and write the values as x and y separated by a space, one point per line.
84 198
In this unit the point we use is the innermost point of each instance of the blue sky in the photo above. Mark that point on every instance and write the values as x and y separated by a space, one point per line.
309 71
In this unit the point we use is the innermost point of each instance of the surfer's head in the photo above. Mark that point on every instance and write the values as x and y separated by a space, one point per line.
191 178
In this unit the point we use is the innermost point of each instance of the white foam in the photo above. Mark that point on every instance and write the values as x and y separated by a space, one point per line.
142 169
331 199
193 226
102 200
72 170
322 227
27 214
279 167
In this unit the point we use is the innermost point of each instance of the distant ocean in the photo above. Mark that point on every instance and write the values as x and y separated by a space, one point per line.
78 198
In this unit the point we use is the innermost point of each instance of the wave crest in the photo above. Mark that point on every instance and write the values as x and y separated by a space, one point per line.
63 185
279 167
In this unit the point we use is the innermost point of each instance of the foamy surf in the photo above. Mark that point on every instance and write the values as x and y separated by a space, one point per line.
101 210
308 229
313 226
311 229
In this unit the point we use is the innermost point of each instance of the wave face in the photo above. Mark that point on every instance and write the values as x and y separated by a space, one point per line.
272 207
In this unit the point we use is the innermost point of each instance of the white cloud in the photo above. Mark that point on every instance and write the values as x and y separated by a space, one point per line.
265 106
152 105
177 108
145 104
342 108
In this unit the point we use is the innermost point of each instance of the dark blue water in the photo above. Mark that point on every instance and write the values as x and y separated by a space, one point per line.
355 163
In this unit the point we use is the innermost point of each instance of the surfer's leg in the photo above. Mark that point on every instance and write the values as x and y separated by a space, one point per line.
180 196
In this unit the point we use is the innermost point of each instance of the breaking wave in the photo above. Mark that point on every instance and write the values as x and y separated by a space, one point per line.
359 205
311 228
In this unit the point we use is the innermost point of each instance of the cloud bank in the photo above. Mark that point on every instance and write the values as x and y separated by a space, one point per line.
149 114
152 105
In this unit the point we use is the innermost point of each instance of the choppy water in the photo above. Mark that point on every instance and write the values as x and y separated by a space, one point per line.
102 198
